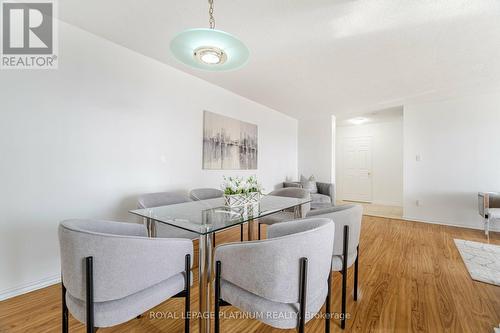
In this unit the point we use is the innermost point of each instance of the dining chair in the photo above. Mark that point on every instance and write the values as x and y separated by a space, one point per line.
489 208
210 193
157 199
289 214
205 193
287 274
347 220
109 275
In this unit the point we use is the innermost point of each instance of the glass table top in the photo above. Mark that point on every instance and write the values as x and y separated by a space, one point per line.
207 216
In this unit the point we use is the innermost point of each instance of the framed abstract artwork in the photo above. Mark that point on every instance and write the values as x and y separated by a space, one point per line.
228 143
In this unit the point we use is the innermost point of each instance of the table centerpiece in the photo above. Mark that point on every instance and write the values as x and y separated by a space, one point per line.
241 192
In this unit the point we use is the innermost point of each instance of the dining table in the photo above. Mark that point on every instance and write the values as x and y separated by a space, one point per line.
202 219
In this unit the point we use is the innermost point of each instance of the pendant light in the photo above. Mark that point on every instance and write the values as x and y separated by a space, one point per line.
209 49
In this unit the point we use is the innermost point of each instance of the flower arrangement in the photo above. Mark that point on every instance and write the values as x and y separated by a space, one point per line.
240 192
238 185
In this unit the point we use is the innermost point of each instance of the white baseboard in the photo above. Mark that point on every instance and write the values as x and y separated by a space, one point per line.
375 202
492 227
16 291
388 203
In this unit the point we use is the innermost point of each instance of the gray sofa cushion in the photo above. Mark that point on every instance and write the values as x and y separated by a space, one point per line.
320 201
327 189
321 198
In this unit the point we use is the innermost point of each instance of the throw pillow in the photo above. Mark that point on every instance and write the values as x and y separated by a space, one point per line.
309 184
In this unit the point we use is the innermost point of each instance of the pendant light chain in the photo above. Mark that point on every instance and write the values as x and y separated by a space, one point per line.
211 19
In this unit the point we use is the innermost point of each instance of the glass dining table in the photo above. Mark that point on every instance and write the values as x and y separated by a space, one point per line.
205 217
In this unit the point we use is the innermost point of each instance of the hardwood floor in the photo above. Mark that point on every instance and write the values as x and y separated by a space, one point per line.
412 279
392 212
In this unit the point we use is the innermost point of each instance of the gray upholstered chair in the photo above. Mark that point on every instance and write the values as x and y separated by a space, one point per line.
287 274
347 219
150 200
157 199
110 277
489 208
290 214
322 197
210 193
205 193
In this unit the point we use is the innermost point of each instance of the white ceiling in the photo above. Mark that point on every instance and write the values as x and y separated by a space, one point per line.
373 117
322 57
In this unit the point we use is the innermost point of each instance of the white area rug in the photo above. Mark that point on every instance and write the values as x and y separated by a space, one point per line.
482 260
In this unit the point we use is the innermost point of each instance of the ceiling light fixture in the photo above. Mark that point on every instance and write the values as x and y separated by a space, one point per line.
209 49
358 120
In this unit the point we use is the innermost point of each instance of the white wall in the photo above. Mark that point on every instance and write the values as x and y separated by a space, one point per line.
316 152
458 143
84 140
387 159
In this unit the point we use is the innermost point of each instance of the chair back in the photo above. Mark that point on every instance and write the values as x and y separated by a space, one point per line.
271 268
295 192
205 193
150 200
125 260
350 215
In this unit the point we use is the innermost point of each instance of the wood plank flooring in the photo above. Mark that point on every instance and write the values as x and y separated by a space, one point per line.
412 279
371 209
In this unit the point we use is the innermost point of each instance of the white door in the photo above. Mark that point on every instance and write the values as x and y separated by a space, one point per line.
357 169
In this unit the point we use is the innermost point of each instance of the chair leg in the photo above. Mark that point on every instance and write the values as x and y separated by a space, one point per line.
259 229
90 294
344 292
213 239
355 296
187 304
218 265
65 327
345 253
487 226
241 232
303 294
328 301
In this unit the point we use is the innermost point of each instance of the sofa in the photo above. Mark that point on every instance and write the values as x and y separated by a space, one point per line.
324 197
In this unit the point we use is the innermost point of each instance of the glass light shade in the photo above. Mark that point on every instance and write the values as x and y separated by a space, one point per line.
184 45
